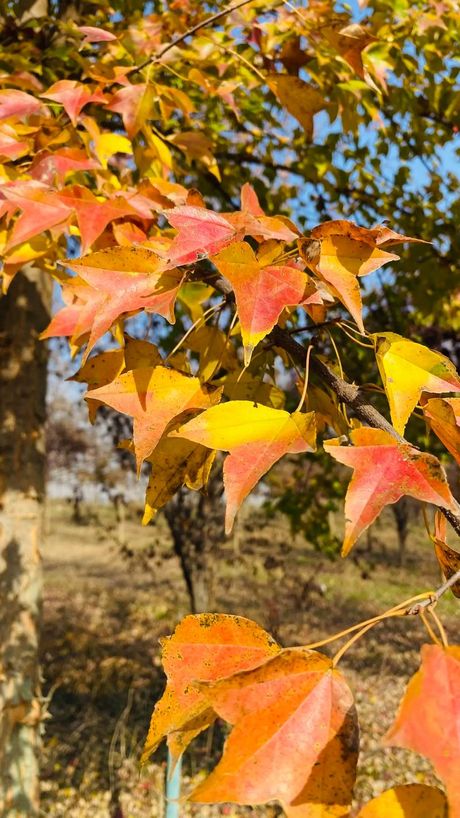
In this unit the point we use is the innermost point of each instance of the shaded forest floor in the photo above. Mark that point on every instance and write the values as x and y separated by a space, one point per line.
104 616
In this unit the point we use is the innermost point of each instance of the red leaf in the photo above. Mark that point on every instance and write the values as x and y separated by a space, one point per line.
261 292
428 720
123 280
384 471
201 233
96 35
48 167
41 209
73 96
17 104
93 216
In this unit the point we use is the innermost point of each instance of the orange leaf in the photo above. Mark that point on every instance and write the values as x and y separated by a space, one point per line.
121 280
93 216
301 99
384 471
261 292
341 260
449 560
206 647
294 739
428 720
443 415
153 397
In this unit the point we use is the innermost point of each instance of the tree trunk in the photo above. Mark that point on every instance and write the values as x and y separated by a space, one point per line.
401 514
196 522
24 312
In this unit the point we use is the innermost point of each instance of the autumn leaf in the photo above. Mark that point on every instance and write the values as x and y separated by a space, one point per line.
16 104
201 233
203 647
350 41
294 737
448 559
153 397
135 105
93 215
301 99
215 351
47 167
443 416
407 369
175 463
102 369
428 720
256 437
122 280
41 209
384 471
73 96
407 801
261 292
96 35
339 259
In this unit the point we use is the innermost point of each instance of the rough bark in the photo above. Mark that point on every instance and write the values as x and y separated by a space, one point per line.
24 312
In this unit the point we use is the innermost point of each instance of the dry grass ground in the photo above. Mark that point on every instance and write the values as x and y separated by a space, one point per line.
104 615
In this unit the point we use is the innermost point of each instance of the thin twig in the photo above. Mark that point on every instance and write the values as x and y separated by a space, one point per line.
208 21
433 598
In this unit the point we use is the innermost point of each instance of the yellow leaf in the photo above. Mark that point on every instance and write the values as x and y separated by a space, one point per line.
175 463
215 351
299 98
407 369
256 437
407 801
107 144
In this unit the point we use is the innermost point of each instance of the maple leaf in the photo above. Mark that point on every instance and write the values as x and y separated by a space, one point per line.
205 646
41 209
153 397
448 559
93 216
294 737
443 416
261 292
428 720
102 369
122 280
350 41
384 471
17 104
73 96
256 437
338 258
46 167
301 99
407 801
135 105
201 233
215 350
175 463
407 369
96 35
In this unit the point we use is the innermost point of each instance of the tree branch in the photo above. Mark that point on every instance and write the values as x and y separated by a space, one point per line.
208 21
351 395
436 595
